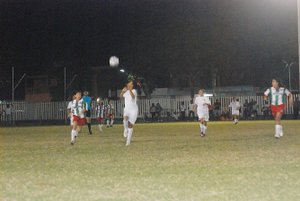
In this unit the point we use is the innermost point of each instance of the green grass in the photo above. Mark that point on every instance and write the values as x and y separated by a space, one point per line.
164 162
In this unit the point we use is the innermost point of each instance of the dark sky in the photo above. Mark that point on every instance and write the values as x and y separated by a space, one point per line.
244 40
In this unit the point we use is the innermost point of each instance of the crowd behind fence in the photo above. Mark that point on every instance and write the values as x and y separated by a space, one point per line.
43 111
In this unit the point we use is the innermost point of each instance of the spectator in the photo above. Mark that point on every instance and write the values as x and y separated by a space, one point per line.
296 107
152 111
182 111
191 110
246 112
216 109
254 109
158 110
266 110
8 114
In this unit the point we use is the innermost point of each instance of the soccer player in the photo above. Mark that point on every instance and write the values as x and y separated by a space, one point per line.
201 106
110 114
79 108
88 100
130 111
70 110
235 110
277 96
100 113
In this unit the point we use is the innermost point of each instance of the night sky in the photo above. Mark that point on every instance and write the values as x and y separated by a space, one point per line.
166 41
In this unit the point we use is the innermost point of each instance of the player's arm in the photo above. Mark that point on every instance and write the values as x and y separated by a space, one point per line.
266 94
290 99
123 92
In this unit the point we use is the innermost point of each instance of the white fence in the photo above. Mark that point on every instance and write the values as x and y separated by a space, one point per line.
57 110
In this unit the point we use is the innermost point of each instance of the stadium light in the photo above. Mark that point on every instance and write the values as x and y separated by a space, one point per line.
122 70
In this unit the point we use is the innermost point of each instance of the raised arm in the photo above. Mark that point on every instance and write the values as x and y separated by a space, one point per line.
123 92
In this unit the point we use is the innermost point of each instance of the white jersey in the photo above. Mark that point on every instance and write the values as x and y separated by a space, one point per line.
202 103
235 107
131 108
130 103
78 108
277 97
70 105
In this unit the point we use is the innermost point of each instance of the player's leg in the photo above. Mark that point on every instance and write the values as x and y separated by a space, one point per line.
100 124
129 133
74 131
125 124
278 126
112 120
88 121
132 117
204 127
201 124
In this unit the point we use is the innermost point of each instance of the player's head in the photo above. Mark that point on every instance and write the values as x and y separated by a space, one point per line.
78 95
85 93
74 97
131 84
201 92
276 83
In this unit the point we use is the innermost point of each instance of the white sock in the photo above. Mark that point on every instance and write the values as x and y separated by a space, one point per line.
73 133
277 130
107 122
111 122
129 136
280 131
201 128
125 123
204 129
100 127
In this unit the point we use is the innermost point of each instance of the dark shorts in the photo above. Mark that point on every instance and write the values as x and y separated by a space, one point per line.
88 113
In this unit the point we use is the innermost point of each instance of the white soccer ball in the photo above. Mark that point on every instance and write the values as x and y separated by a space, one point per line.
113 61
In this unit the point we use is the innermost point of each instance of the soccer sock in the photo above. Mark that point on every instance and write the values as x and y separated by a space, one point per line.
201 127
280 130
277 130
107 122
125 123
100 127
204 129
111 122
76 133
129 136
73 132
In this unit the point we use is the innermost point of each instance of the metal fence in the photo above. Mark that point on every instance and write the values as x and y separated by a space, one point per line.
58 110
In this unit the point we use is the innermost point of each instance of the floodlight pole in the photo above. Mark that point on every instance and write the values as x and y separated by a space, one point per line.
13 88
298 13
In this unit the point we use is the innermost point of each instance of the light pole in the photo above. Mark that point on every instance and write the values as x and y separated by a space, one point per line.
298 13
288 65
13 88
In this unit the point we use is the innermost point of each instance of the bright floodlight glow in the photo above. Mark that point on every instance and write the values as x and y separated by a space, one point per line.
208 95
122 70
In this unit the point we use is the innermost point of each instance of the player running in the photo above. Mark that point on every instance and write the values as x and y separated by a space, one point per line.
277 96
130 111
79 108
70 110
235 110
101 110
110 114
88 100
201 105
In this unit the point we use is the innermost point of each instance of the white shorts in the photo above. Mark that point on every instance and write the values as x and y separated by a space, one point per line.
237 112
131 114
203 115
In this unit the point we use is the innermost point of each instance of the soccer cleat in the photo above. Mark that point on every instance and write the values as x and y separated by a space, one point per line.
72 142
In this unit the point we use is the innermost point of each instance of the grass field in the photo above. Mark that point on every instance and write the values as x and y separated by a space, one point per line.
167 161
